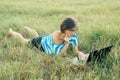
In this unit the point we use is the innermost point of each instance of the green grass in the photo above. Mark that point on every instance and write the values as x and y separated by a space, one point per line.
99 27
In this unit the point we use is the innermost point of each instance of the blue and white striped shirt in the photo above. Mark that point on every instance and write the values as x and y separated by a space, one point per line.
51 48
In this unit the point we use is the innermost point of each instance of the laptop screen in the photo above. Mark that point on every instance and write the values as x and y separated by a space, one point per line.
99 54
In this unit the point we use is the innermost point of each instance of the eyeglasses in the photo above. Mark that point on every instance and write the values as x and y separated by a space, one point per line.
72 30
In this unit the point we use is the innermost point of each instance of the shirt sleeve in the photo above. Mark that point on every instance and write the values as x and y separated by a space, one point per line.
74 40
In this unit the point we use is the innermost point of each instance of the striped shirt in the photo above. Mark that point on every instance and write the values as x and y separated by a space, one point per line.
51 48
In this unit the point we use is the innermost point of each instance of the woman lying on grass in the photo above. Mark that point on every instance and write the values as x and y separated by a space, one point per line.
57 42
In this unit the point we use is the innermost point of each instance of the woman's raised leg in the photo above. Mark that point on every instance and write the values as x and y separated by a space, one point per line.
17 36
32 31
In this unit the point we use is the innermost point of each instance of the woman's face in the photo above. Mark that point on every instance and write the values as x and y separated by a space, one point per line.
71 32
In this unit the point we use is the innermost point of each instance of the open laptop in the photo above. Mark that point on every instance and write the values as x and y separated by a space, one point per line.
98 55
93 56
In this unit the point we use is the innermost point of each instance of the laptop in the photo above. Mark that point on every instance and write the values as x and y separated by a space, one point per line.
93 56
99 55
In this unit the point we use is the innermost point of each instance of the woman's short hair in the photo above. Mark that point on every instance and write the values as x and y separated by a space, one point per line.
68 23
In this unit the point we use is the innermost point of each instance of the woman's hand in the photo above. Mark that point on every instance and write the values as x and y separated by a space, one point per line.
67 39
82 56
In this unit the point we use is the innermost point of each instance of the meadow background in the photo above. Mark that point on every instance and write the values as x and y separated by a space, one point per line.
99 27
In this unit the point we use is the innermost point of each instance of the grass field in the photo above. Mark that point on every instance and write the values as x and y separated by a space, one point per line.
99 27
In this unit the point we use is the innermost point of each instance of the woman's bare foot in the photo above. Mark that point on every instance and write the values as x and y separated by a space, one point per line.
10 31
17 36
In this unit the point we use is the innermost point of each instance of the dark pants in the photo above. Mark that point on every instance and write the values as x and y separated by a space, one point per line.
36 42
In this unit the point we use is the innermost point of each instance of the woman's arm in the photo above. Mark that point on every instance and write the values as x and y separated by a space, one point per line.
64 49
66 39
80 54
